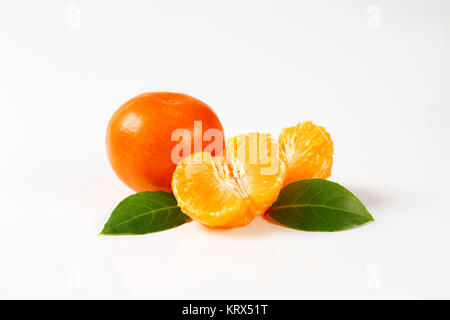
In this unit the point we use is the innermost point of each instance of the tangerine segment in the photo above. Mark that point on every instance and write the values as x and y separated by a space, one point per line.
264 168
231 190
308 151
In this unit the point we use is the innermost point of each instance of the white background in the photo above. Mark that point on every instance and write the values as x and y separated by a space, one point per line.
375 73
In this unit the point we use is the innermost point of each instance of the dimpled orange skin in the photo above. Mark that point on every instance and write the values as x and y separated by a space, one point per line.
138 138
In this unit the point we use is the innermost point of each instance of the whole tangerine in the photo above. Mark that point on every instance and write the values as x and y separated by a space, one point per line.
140 141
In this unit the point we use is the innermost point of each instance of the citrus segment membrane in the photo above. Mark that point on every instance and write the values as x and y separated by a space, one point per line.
230 190
307 150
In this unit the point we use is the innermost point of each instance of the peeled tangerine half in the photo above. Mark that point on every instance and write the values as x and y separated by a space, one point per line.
307 150
231 190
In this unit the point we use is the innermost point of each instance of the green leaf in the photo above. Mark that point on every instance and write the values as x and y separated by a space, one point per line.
145 212
318 205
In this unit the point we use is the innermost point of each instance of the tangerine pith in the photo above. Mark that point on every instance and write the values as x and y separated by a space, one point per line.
307 150
219 190
230 190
